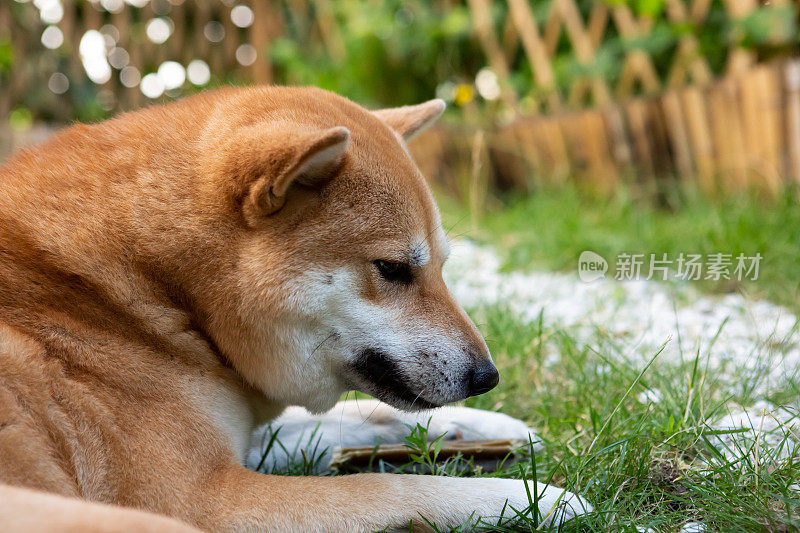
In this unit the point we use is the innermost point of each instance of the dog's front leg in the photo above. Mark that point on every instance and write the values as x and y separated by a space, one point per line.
244 500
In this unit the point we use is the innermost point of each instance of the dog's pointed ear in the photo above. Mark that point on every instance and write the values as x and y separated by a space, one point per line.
411 120
263 162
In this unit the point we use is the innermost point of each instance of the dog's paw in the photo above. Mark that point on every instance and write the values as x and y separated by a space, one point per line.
487 502
510 498
475 424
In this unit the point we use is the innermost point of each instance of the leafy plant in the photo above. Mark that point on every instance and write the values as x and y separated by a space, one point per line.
423 451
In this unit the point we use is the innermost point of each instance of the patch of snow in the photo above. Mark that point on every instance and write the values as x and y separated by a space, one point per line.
762 429
738 336
693 527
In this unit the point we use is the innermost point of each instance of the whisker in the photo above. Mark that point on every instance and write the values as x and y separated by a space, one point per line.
311 355
418 396
341 416
370 414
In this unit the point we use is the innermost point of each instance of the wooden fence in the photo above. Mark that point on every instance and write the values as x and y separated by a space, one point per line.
736 133
539 38
732 128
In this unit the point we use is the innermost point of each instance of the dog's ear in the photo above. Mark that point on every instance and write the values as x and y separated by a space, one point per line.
411 120
263 161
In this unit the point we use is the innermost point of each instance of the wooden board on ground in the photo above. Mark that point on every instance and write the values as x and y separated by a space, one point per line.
486 454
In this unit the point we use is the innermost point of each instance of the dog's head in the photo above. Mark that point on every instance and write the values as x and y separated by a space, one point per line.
339 254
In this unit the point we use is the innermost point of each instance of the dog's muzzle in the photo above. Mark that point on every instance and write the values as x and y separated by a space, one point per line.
385 380
381 376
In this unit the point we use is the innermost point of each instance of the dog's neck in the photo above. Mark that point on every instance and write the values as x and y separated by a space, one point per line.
120 314
120 270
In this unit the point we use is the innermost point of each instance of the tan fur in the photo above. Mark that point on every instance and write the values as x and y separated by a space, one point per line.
148 269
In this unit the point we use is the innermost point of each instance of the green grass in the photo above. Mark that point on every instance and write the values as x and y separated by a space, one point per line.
651 464
549 229
642 463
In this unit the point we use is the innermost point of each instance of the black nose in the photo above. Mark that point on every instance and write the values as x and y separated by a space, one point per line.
483 379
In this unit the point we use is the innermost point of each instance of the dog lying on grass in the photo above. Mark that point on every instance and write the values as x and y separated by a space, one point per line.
174 277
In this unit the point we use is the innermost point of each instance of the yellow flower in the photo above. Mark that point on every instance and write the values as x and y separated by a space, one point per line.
464 94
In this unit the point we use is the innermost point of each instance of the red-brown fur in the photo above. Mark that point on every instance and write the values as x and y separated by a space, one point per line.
138 258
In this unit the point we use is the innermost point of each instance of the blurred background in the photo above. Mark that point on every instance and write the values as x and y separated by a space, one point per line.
655 105
658 129
598 119
599 91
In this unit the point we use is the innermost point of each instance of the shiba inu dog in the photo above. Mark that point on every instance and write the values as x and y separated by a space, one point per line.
171 278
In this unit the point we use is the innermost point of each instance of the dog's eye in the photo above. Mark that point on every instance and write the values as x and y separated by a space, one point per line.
394 271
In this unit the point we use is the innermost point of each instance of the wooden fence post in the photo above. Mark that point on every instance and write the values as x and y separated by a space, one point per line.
678 134
700 136
260 38
792 83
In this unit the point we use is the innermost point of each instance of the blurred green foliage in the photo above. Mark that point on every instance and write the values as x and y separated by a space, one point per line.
398 52
381 52
6 56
